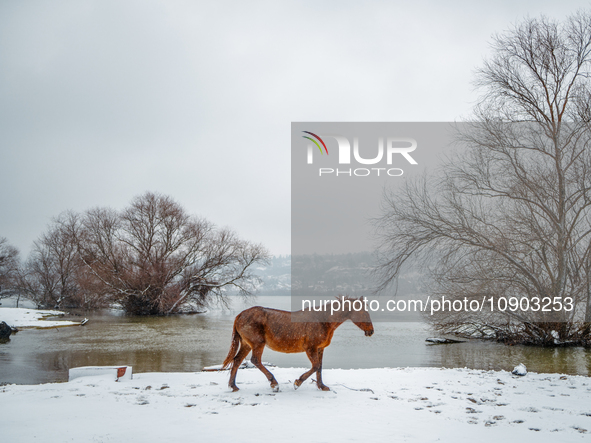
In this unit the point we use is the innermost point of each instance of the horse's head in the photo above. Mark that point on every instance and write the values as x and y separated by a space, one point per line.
358 313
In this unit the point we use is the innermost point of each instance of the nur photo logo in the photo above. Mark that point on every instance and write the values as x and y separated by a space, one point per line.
388 148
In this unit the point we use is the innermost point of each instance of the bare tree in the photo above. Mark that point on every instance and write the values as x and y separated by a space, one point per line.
52 275
509 217
9 263
154 258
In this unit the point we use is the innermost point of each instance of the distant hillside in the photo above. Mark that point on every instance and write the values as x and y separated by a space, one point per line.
327 274
276 277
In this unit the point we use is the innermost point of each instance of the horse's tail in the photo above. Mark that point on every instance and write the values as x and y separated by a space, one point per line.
234 348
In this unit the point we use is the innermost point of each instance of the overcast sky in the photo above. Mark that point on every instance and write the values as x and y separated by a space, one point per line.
101 101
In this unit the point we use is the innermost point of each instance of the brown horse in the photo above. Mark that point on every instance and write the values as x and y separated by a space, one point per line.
302 331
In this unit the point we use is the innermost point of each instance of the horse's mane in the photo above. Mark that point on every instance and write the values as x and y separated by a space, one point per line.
347 297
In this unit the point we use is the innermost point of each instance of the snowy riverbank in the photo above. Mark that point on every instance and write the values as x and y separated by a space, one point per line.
407 404
35 318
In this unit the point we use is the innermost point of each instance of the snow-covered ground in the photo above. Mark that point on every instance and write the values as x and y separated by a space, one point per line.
24 317
367 405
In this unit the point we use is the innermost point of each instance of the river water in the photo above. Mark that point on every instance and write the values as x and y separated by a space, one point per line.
188 343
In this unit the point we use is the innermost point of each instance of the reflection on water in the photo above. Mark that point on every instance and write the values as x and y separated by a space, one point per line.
485 355
188 343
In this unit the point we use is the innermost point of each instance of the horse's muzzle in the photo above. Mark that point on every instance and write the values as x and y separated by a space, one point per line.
369 333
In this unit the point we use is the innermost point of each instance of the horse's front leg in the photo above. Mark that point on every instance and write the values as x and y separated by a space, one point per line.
319 372
313 355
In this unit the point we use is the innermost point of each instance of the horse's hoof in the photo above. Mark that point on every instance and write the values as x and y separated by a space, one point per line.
234 388
297 384
324 388
275 388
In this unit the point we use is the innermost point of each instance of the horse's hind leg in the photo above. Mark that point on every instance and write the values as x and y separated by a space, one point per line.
319 372
242 353
257 353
